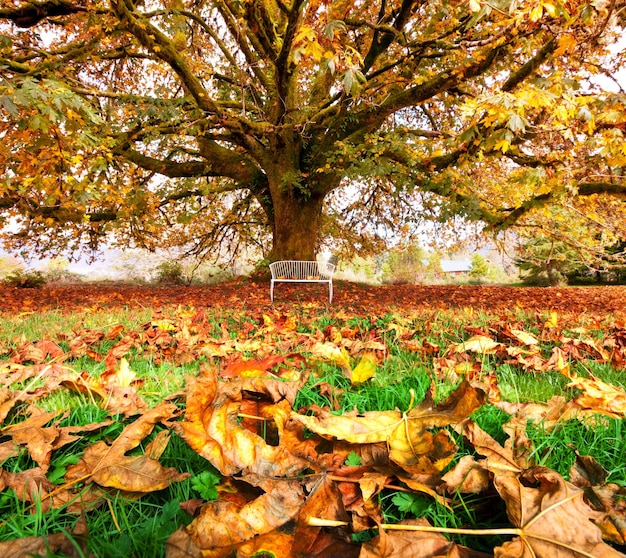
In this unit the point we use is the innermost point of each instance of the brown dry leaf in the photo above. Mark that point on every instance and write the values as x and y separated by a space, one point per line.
548 414
588 474
411 444
600 397
181 545
39 440
226 524
477 344
498 459
14 373
416 544
30 485
610 499
324 500
211 428
109 466
47 545
116 398
468 476
552 517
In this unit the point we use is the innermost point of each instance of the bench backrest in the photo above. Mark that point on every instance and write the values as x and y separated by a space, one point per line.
302 270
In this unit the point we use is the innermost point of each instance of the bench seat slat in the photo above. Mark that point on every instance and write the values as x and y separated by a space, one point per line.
299 271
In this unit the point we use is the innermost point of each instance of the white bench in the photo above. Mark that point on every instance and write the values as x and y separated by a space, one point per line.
296 271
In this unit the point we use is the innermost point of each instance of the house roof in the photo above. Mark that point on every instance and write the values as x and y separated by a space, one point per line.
456 266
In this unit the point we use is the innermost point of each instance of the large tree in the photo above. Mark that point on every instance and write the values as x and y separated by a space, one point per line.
283 122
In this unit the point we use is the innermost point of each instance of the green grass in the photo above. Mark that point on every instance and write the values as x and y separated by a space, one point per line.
127 527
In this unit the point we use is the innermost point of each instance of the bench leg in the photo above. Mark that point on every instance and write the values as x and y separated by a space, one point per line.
330 292
272 290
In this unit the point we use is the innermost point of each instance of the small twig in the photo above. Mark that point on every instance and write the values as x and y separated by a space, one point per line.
319 522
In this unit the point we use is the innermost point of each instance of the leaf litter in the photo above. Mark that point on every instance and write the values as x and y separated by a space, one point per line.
295 495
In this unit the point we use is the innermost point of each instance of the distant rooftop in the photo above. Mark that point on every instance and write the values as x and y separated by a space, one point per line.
456 266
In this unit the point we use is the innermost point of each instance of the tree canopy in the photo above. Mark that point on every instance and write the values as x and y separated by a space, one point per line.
286 124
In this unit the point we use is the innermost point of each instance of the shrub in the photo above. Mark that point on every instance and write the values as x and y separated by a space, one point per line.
170 273
25 279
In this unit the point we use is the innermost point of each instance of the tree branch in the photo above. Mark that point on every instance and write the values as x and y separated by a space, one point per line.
31 13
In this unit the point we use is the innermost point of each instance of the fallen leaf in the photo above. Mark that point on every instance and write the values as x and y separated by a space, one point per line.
108 465
416 544
600 396
551 515
408 436
477 344
365 370
211 427
64 544
224 524
467 476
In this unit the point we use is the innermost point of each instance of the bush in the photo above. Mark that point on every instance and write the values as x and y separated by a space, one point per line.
25 279
170 273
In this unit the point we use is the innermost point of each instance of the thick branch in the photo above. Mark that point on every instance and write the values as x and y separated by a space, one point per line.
529 67
612 188
159 43
31 13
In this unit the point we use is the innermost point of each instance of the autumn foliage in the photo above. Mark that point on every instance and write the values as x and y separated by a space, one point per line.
300 481
216 125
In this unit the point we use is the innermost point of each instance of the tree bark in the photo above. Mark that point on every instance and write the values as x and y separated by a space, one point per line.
295 226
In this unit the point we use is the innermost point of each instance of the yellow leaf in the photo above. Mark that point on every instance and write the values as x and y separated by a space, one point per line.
536 13
365 369
411 443
549 8
553 321
566 43
330 351
165 325
600 397
524 337
125 376
477 344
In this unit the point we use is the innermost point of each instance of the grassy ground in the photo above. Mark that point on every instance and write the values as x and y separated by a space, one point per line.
153 349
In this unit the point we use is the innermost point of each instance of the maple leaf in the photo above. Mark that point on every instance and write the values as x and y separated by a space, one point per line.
407 435
108 465
551 516
477 344
498 459
224 524
599 396
398 544
211 427
61 544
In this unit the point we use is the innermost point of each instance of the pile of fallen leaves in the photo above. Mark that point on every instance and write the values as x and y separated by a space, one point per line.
286 488
245 294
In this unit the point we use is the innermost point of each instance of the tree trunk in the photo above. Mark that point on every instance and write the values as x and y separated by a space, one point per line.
296 223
